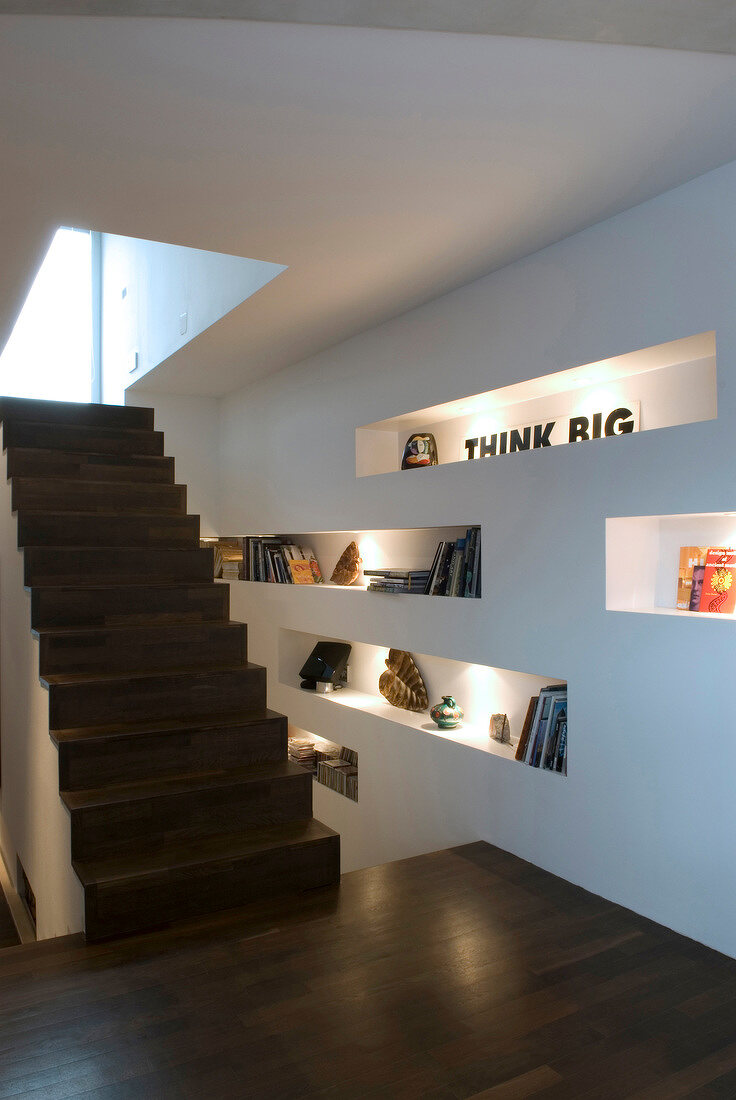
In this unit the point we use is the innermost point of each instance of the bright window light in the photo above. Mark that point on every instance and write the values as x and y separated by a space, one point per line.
49 353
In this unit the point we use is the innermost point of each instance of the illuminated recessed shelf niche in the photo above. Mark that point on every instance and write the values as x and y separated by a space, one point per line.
643 556
672 383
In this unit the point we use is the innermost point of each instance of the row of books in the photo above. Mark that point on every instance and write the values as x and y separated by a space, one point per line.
278 561
332 765
340 775
455 571
706 581
543 741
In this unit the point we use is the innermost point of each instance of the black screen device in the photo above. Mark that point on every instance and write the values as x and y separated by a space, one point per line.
326 664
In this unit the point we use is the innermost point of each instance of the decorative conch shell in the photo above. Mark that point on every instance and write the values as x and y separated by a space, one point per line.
402 683
348 566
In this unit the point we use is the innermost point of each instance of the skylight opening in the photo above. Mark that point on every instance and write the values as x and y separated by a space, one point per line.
49 352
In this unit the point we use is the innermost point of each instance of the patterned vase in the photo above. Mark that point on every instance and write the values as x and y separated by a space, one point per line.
447 714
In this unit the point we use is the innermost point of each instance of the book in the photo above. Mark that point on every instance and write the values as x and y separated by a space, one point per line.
301 571
696 587
433 570
526 728
308 555
439 587
557 716
398 574
690 556
719 590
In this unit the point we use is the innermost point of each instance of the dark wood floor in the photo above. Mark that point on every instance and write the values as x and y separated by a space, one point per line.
8 934
465 973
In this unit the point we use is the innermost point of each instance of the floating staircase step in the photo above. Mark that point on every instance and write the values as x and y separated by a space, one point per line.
150 646
79 438
53 565
128 751
149 815
132 603
98 529
75 412
88 700
29 462
135 892
66 495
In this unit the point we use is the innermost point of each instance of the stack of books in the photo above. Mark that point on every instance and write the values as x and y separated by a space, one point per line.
397 580
302 752
543 741
340 774
273 558
456 567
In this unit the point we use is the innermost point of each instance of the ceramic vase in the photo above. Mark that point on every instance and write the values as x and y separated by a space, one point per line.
447 714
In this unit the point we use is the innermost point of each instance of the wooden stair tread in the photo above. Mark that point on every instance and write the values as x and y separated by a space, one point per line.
179 784
218 849
163 725
41 411
138 628
62 678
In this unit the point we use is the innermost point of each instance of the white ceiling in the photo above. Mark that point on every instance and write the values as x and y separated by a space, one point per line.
382 167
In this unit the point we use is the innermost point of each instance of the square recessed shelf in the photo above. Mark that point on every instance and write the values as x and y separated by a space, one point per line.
480 689
672 383
643 556
332 766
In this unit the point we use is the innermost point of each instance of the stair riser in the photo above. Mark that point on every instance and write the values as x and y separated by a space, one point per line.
72 412
134 700
48 529
152 648
49 566
132 905
148 825
57 495
69 437
119 606
61 464
127 758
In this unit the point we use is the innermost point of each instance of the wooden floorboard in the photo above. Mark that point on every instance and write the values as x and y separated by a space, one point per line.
460 975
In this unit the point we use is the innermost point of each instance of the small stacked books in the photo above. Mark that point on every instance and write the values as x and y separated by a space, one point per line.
397 580
302 752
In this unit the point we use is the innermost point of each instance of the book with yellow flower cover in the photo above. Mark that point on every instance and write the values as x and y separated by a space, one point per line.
719 581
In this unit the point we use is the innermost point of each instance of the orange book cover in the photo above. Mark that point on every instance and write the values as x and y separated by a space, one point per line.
301 572
719 587
690 556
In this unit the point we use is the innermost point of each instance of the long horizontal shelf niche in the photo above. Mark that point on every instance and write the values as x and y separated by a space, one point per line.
479 689
643 559
672 383
414 550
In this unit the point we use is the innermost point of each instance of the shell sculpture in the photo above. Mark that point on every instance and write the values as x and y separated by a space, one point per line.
348 566
402 683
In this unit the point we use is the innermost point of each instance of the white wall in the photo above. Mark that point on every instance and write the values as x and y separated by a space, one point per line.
34 823
191 435
646 815
148 285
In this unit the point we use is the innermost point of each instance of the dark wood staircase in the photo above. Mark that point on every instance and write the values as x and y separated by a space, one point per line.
181 797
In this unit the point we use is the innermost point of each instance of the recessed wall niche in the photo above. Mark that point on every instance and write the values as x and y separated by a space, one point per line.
672 383
643 555
480 689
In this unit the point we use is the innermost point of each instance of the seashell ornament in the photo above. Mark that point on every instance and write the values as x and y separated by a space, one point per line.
402 683
348 567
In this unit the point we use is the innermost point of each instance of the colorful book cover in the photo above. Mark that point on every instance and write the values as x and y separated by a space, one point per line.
308 555
690 556
719 589
301 572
